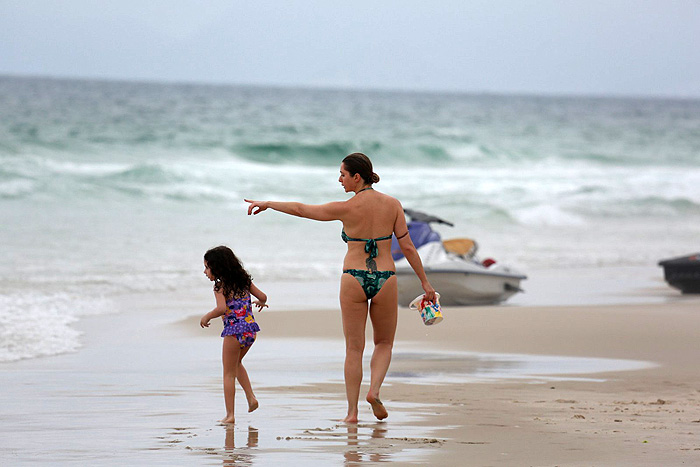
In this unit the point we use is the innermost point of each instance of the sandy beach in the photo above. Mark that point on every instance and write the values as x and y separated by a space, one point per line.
599 385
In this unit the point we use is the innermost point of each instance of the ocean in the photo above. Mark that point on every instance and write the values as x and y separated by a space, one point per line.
114 188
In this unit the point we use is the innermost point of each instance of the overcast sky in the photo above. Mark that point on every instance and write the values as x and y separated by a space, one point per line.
600 47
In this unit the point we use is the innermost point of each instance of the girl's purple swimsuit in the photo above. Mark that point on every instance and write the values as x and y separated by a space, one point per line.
239 321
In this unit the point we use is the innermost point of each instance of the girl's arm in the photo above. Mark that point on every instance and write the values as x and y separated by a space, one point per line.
320 212
220 310
260 295
411 254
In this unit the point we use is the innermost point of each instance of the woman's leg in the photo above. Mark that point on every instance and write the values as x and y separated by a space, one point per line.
230 356
353 304
244 381
383 313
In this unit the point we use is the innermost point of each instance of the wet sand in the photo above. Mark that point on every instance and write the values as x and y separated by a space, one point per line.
648 416
508 385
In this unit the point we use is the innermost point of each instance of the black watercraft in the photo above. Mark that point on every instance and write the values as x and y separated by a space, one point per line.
683 273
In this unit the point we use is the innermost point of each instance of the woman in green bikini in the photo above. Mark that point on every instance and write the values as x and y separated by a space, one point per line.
368 284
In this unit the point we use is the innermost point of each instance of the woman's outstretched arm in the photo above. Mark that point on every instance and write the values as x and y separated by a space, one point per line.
320 212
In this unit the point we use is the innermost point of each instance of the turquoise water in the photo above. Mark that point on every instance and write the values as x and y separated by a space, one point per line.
109 188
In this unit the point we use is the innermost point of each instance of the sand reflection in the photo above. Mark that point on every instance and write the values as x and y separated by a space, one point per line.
358 451
241 456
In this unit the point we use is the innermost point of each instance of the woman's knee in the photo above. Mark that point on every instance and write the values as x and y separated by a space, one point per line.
384 342
354 345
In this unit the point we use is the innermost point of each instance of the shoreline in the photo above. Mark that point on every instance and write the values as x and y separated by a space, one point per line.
544 288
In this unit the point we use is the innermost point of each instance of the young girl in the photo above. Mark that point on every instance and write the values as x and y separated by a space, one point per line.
232 289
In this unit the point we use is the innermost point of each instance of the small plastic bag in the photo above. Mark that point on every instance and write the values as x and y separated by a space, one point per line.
430 312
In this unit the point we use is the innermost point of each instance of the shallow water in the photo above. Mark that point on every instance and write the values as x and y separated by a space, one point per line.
135 401
132 412
291 441
146 391
323 361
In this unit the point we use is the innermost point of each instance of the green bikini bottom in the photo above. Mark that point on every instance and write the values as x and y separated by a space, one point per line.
371 282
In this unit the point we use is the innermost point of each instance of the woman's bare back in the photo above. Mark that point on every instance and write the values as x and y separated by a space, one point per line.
370 215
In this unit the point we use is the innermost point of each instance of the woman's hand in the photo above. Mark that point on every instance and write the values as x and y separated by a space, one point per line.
259 304
429 291
204 322
256 207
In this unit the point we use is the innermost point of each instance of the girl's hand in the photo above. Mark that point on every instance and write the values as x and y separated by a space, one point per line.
429 291
259 304
256 207
204 322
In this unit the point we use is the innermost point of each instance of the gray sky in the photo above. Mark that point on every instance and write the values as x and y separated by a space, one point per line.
602 47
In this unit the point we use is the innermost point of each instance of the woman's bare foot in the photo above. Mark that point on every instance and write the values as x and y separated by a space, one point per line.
228 420
351 418
377 407
252 405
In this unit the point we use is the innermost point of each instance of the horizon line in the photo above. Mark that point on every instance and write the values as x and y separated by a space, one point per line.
350 88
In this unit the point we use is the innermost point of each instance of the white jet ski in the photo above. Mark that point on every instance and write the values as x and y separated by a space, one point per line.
452 268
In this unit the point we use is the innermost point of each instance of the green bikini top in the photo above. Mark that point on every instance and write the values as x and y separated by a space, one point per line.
370 243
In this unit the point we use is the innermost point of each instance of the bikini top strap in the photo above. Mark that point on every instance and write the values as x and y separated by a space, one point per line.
370 243
347 239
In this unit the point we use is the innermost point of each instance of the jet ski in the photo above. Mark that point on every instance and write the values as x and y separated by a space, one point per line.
452 267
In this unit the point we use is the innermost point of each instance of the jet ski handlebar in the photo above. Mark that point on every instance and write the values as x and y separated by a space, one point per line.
427 218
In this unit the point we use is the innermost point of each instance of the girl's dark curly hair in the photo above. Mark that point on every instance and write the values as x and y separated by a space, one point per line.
229 275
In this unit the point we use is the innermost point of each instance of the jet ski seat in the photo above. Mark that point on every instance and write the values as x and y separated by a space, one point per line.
465 247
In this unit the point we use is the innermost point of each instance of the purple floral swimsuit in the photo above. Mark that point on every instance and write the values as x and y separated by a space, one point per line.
239 321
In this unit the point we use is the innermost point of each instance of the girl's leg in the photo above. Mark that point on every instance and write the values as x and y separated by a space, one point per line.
230 357
244 381
383 313
353 304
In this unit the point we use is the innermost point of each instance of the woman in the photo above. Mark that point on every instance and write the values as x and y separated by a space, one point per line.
369 218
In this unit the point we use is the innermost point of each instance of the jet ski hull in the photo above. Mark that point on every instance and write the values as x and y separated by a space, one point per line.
460 288
460 281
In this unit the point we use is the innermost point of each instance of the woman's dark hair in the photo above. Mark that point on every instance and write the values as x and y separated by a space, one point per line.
229 275
358 163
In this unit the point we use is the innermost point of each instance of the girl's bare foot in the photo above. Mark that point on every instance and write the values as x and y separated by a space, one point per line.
228 420
252 405
377 407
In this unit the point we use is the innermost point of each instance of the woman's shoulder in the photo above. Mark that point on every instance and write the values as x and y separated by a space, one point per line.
381 196
380 203
379 199
390 200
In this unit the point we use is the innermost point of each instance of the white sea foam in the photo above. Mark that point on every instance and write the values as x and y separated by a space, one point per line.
548 216
16 188
35 324
82 168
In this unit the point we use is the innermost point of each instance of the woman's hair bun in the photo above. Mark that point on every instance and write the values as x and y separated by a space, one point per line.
359 163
